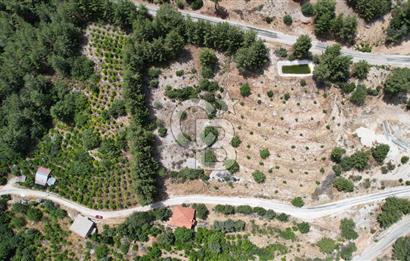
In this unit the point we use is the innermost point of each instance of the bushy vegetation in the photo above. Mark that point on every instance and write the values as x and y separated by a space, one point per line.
19 241
258 176
342 28
326 245
264 153
236 141
360 70
401 249
298 202
301 47
208 61
399 27
370 10
347 228
337 154
342 184
187 174
392 210
380 151
358 96
248 210
397 82
333 67
245 90
46 42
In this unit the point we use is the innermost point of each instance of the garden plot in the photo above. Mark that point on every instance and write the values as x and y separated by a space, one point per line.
295 125
296 122
89 160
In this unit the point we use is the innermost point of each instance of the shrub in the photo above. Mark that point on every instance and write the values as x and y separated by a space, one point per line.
179 73
380 151
188 174
404 159
308 9
244 209
301 47
360 70
264 153
231 165
347 87
210 135
195 4
281 52
201 211
397 82
252 58
358 97
162 131
337 169
326 245
392 210
208 157
298 202
370 10
225 209
208 61
180 4
333 67
346 252
229 226
342 184
258 176
91 139
270 93
359 160
399 26
235 141
245 90
34 214
287 19
336 154
347 227
401 249
287 234
181 94
303 227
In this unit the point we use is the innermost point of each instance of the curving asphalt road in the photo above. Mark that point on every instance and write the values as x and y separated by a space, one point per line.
305 213
317 46
385 240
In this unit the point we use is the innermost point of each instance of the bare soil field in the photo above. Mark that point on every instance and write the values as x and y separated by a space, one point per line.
299 125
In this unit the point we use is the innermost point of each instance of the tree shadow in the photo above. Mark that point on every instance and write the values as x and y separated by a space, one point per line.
399 99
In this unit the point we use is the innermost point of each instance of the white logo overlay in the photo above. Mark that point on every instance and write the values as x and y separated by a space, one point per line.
212 147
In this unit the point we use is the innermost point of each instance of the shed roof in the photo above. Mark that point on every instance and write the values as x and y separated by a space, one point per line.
82 226
42 175
182 217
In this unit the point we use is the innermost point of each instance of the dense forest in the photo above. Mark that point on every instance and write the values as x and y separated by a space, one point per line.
42 65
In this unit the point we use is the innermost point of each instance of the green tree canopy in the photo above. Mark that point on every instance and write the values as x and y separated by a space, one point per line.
333 67
301 47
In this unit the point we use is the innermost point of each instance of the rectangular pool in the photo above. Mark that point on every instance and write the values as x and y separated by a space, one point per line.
296 69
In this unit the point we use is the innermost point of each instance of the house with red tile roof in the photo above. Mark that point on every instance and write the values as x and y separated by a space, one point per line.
182 217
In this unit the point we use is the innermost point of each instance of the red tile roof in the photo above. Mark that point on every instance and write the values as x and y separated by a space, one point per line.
182 217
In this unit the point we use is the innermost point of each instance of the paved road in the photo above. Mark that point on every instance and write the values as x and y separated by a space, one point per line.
317 46
305 213
385 240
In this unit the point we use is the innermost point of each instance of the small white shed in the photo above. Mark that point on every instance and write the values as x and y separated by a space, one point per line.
83 226
42 176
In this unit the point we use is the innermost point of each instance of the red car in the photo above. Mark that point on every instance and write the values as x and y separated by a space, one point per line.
99 217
